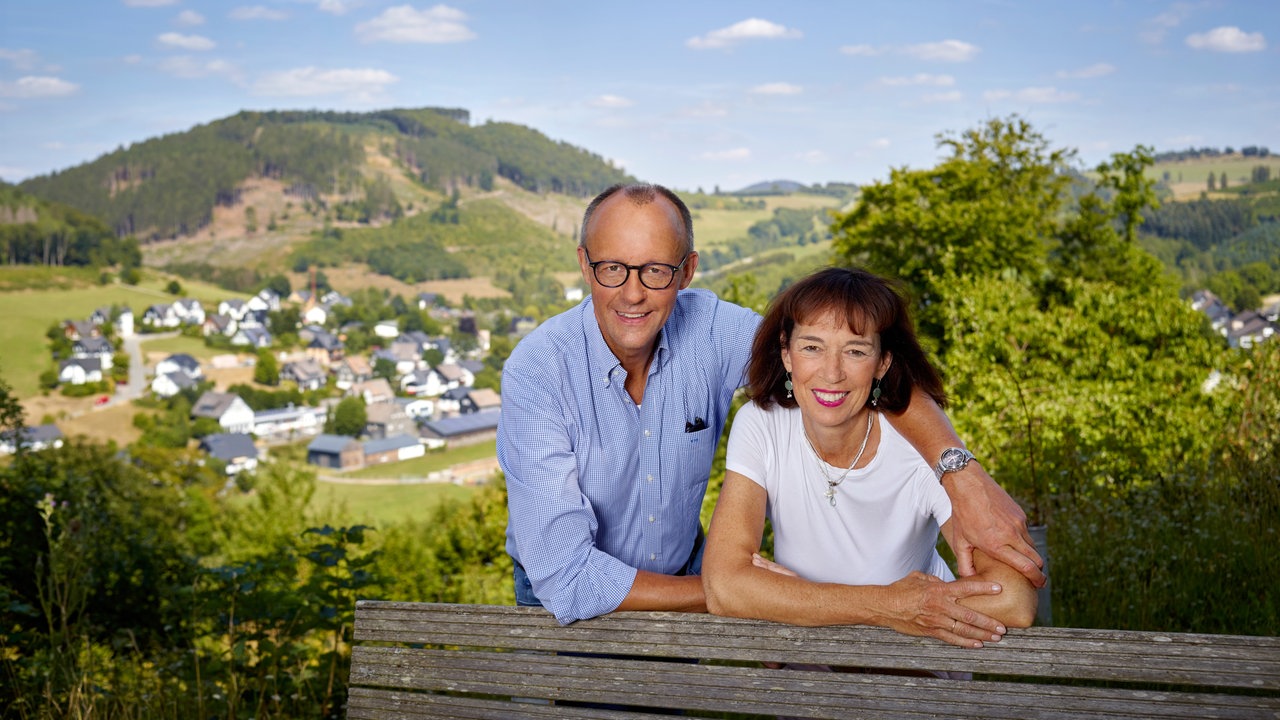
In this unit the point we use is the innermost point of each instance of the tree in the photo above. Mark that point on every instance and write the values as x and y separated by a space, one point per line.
173 288
1213 182
267 369
1223 183
988 209
349 417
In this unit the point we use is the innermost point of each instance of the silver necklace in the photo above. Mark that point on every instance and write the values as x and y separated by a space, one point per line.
822 464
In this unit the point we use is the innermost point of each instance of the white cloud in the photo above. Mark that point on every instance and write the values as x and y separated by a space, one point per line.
335 7
749 29
920 79
733 155
706 109
945 51
778 88
149 3
813 157
132 59
34 86
21 59
943 97
256 12
1034 95
879 143
1156 28
186 66
189 17
860 50
361 83
404 24
1092 71
1227 39
186 42
611 101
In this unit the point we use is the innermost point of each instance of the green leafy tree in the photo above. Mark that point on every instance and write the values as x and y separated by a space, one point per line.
349 417
267 369
988 209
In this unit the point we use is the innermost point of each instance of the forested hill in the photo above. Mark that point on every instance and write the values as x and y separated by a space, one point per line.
36 231
168 186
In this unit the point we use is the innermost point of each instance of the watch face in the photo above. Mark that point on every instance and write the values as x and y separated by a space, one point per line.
953 459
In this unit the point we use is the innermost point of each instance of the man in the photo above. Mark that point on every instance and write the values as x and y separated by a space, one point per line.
612 411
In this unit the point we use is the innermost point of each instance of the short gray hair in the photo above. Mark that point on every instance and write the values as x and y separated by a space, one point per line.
640 194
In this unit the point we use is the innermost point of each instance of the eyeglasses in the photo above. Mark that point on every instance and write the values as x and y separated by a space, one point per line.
654 275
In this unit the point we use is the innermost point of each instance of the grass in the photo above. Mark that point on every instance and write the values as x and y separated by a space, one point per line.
194 347
49 295
714 227
384 505
429 463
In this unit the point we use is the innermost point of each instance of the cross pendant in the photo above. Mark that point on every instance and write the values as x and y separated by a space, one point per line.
831 494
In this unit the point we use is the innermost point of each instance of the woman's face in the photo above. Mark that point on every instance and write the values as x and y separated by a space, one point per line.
831 369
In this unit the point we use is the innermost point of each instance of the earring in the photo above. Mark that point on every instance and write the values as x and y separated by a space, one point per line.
788 386
875 392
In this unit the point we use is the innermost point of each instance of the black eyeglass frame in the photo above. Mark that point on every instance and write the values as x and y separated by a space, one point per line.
638 268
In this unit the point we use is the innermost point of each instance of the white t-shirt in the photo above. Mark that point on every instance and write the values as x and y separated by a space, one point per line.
886 518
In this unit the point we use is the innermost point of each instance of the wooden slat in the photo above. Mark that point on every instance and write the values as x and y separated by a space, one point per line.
772 692
1172 658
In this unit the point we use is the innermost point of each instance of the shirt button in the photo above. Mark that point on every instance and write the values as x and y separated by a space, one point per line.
652 556
650 518
649 479
646 433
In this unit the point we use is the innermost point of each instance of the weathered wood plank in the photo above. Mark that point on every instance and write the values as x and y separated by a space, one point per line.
766 691
1223 661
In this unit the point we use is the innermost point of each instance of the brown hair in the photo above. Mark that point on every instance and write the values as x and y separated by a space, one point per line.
872 305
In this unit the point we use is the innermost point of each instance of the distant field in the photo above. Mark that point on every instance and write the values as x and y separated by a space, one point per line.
714 227
1188 178
24 350
383 505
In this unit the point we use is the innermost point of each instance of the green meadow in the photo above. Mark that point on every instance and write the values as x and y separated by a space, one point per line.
33 298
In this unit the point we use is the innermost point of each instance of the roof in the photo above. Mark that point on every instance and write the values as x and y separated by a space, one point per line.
458 393
213 404
334 444
184 361
383 412
89 364
35 434
395 442
286 413
358 365
464 424
229 446
179 379
376 386
485 397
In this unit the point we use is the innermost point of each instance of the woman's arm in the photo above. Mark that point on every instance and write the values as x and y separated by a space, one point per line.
918 604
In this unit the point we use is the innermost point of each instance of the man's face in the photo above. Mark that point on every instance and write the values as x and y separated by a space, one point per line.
632 315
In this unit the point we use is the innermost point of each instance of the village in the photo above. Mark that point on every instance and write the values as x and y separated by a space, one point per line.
415 392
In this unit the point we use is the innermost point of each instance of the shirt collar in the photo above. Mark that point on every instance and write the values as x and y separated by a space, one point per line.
603 365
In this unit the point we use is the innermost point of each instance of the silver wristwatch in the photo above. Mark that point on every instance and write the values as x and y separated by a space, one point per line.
953 459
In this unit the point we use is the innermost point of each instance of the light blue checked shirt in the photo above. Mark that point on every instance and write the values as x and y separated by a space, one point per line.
596 487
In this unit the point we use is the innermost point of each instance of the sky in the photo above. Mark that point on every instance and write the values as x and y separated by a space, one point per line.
698 94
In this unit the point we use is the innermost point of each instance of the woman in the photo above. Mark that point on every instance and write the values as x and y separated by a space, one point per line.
855 510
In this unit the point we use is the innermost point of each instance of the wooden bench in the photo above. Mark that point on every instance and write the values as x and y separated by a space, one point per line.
422 660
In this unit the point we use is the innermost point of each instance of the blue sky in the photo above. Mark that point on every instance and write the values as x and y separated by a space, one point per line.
690 94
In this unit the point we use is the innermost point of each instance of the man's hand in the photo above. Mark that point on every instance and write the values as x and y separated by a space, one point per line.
984 516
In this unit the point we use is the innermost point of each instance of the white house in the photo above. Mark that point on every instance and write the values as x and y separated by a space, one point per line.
34 438
288 422
170 384
428 383
386 329
78 371
180 362
233 308
161 316
228 409
93 347
416 408
189 311
235 449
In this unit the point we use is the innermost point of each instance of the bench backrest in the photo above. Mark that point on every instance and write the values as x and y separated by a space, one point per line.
453 657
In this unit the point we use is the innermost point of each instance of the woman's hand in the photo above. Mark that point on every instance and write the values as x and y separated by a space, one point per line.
926 606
